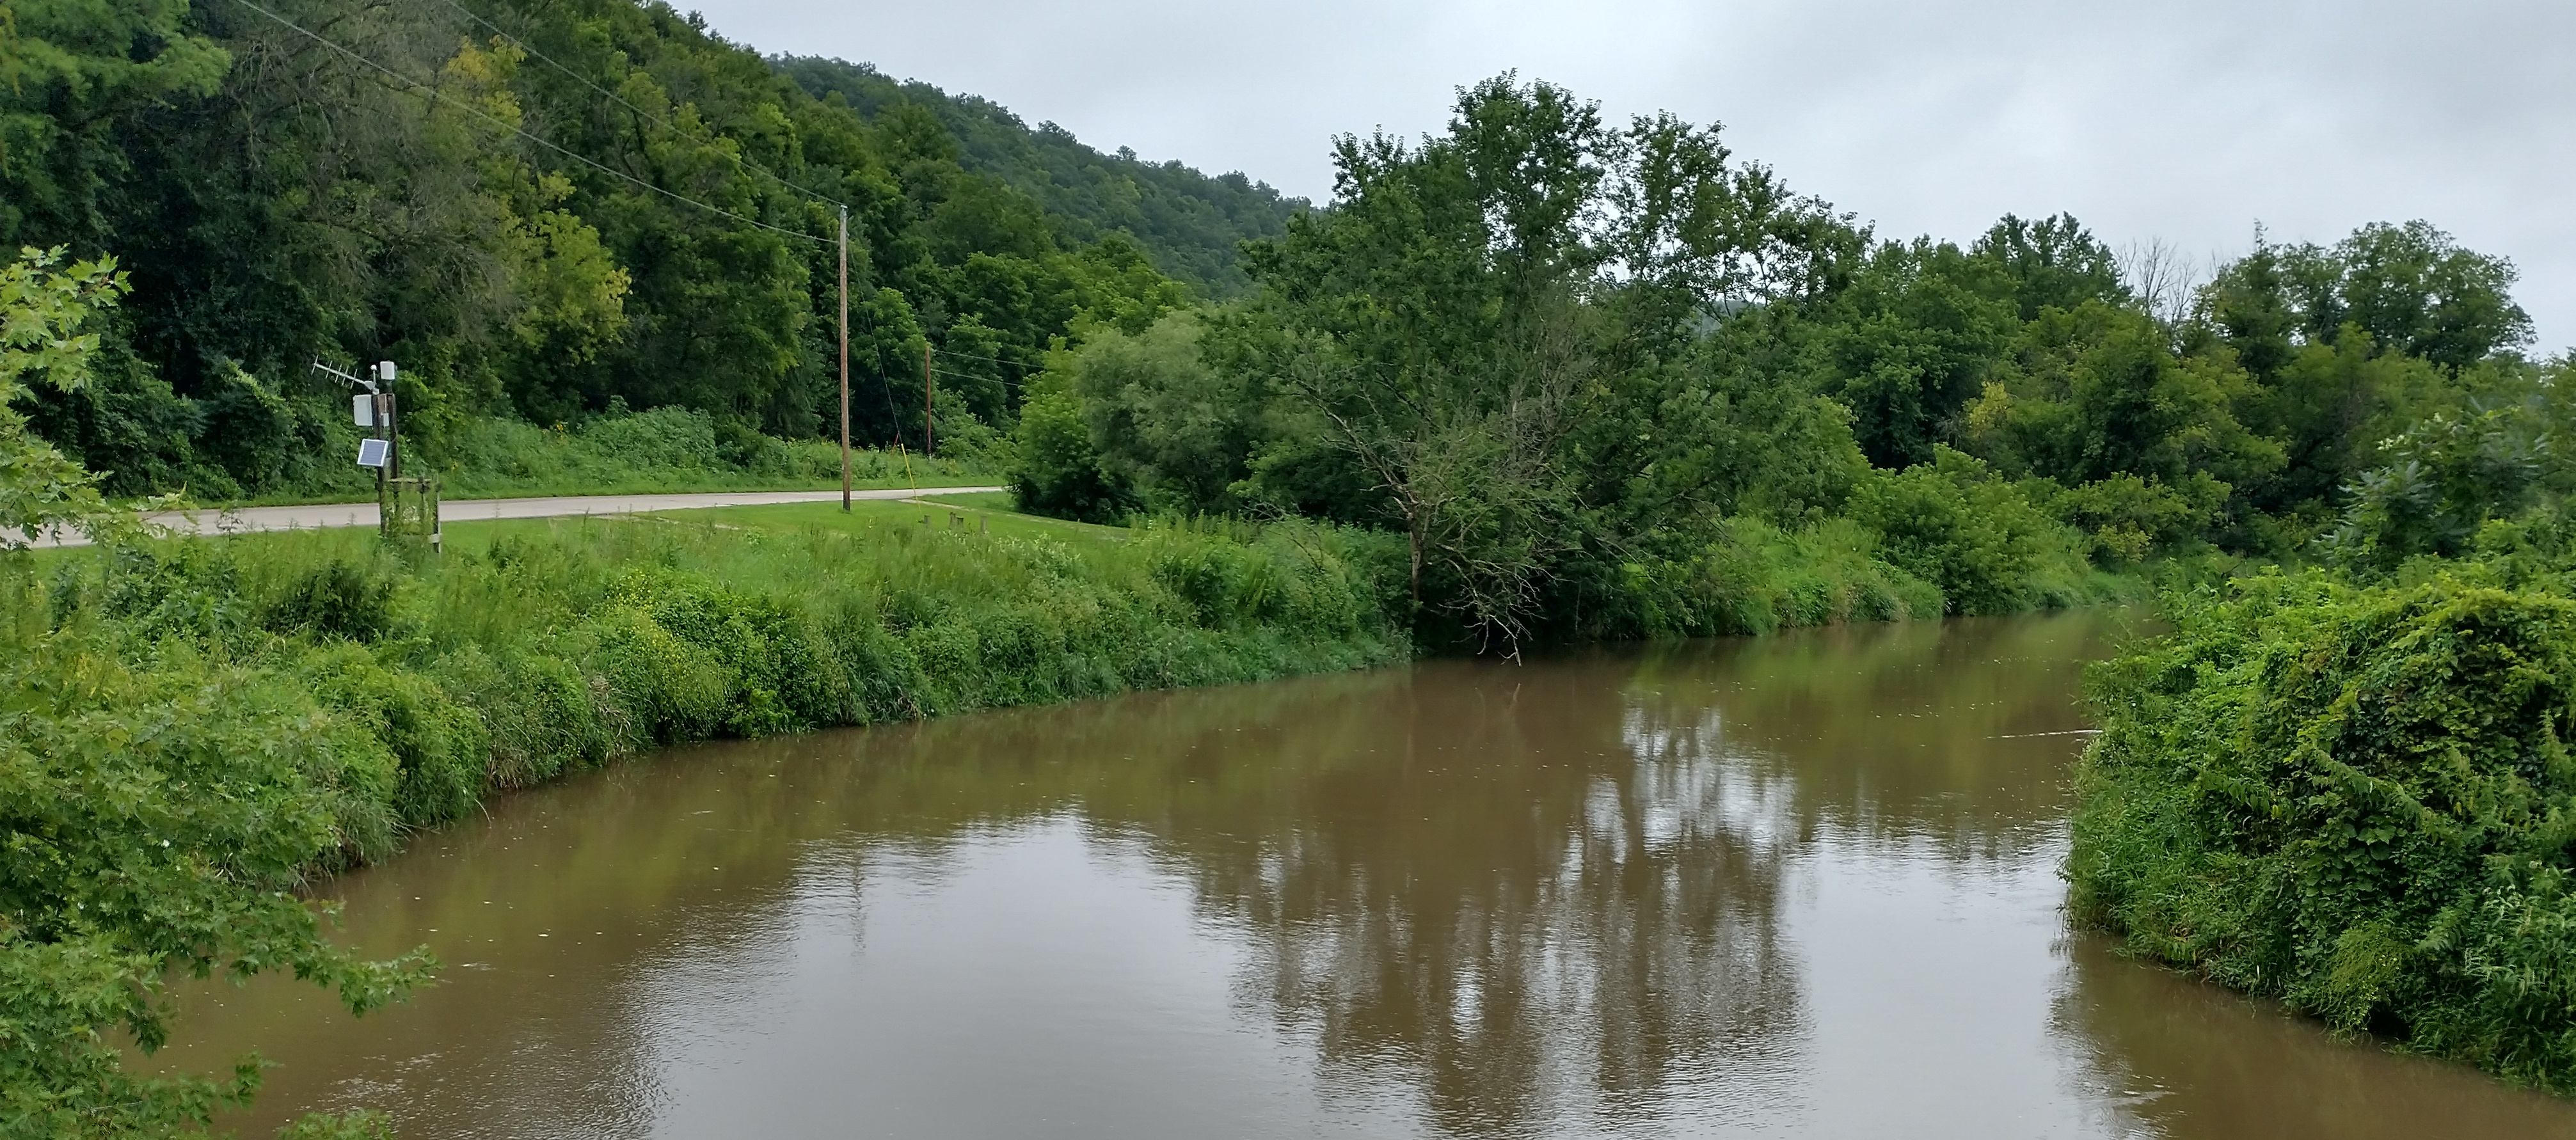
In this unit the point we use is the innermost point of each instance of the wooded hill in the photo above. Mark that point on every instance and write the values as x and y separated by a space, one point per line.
545 209
1190 224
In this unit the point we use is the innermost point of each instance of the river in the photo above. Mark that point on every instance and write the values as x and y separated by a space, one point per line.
1797 886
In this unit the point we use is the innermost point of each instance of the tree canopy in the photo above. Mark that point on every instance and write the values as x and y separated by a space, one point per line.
542 209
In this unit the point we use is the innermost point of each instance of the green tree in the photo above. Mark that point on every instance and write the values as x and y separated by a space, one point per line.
1909 343
2053 263
71 72
1480 324
2415 291
2097 391
1056 469
42 312
2411 289
1165 419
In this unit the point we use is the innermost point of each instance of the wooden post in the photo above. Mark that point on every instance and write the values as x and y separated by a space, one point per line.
384 412
927 384
389 497
845 358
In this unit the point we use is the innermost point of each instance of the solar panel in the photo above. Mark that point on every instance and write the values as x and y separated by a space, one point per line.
371 452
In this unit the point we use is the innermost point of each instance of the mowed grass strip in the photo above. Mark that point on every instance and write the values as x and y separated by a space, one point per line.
987 513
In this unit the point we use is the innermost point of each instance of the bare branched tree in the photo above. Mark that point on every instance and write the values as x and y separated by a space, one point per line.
2163 278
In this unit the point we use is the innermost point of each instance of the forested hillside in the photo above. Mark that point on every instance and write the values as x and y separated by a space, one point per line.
546 210
1190 224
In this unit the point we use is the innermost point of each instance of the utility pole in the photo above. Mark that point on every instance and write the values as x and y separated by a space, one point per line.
845 359
926 385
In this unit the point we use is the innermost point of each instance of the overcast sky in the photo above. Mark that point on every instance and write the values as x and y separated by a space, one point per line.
2187 121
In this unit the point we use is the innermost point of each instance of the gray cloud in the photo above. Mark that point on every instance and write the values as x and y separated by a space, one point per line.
2187 121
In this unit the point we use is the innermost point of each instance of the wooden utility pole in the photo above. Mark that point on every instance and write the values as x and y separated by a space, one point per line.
926 385
845 358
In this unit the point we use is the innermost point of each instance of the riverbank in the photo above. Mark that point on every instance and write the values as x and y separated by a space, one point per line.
2355 798
531 649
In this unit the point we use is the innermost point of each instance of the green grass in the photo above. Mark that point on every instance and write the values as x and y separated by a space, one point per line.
635 632
979 514
981 500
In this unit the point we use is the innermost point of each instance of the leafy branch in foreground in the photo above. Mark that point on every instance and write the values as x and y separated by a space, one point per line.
157 812
42 310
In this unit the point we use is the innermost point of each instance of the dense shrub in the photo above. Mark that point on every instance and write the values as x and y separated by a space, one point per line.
2357 800
160 813
340 598
1953 523
1755 578
1057 471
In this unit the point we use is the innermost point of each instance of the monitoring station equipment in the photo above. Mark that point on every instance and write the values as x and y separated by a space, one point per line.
406 506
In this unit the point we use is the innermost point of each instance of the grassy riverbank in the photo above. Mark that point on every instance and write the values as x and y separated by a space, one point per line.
534 648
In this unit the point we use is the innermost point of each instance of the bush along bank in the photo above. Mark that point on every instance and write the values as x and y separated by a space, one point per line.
2355 799
194 727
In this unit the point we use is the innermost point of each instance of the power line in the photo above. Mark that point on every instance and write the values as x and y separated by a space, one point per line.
971 376
986 359
522 132
621 101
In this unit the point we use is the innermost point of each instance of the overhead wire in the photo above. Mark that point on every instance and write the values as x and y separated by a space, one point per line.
621 101
522 132
1004 380
986 359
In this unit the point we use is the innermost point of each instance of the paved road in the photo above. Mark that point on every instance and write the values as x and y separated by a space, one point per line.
473 510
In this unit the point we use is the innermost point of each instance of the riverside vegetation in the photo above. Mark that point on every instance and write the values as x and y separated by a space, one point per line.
1540 377
2348 786
194 726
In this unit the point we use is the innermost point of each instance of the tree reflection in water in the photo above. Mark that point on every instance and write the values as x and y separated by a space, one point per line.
1539 903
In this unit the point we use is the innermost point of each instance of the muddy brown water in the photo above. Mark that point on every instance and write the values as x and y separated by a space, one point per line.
1802 886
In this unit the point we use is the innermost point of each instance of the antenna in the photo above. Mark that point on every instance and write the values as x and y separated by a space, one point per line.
368 384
